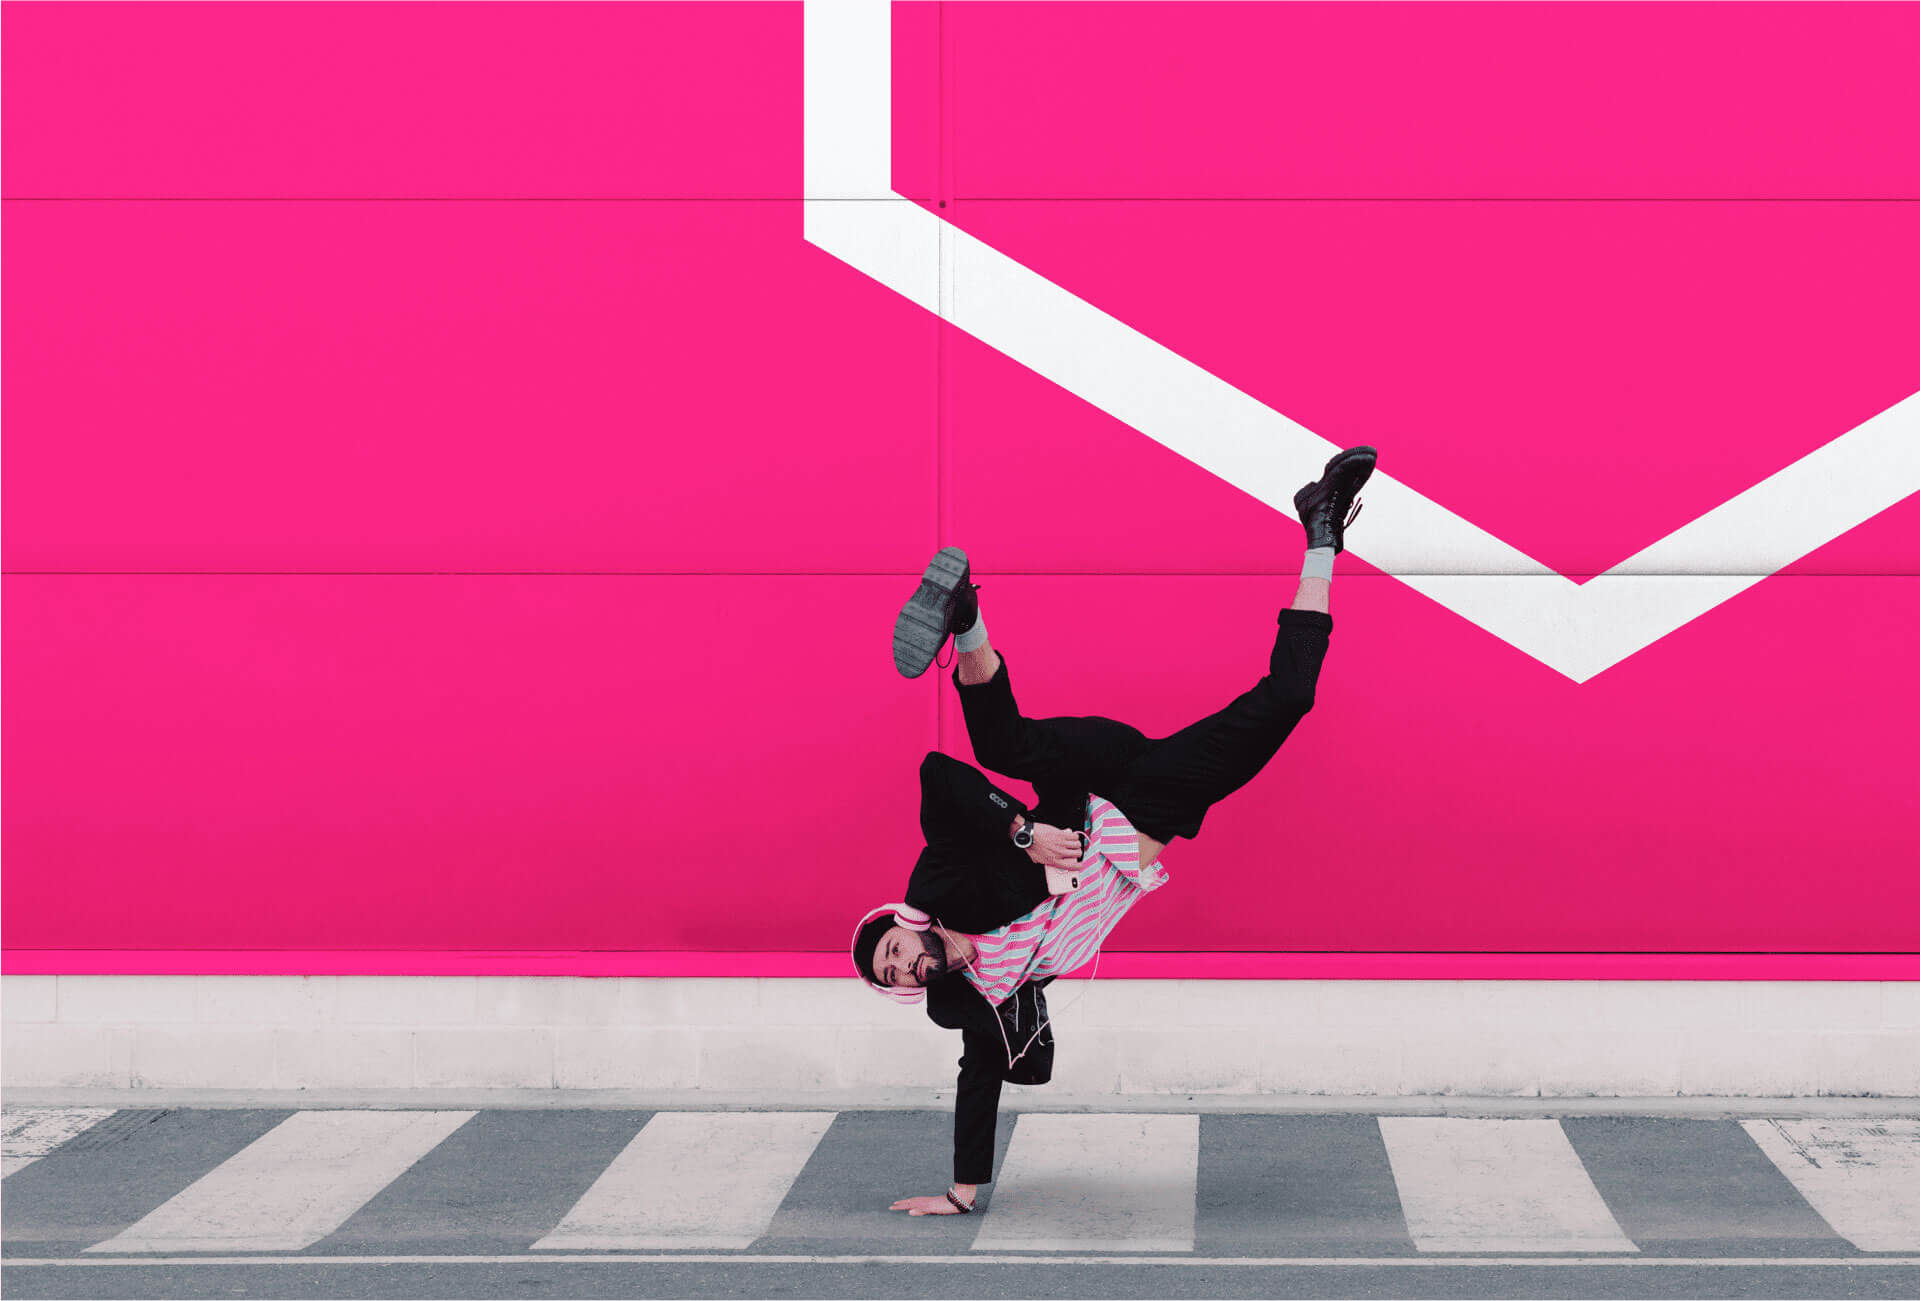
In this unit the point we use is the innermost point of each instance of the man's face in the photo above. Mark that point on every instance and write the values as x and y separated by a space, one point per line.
907 959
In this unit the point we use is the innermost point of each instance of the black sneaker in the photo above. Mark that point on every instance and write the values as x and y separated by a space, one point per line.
945 603
1323 506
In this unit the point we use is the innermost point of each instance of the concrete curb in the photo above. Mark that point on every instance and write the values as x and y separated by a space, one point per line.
824 1039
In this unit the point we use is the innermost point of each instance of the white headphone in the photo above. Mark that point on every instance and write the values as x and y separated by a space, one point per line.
904 915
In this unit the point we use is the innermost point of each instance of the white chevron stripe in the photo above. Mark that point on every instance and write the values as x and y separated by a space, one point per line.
1577 629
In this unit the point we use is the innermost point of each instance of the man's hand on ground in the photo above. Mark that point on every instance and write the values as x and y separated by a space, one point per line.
925 1206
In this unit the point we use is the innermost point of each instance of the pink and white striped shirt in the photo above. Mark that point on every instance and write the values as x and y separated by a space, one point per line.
1066 930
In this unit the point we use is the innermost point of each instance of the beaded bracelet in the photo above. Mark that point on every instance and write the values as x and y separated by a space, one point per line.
959 1205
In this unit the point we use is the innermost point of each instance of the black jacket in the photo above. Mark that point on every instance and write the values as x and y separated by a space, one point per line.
973 878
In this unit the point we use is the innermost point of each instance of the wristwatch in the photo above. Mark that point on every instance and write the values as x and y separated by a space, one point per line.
1024 838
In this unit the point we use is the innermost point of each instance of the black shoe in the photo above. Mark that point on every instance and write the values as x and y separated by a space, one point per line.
1323 506
944 604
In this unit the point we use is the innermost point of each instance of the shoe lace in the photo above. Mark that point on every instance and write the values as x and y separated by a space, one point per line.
1353 514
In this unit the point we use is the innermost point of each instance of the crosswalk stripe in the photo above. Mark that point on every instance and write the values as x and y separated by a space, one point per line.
511 1173
104 1179
1860 1175
32 1132
693 1179
357 1182
1496 1186
293 1185
1113 1182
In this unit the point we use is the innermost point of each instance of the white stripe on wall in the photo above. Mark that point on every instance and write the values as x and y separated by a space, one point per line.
293 1185
32 1132
1860 1175
694 1179
1496 1186
1083 1183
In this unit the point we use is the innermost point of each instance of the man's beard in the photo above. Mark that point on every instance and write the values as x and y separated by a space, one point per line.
936 964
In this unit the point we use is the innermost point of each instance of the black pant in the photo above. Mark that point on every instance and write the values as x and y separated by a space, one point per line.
1164 787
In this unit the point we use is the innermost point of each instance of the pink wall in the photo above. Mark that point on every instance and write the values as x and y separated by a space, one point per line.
403 565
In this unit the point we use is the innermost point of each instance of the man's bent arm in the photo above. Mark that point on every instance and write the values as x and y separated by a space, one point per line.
959 806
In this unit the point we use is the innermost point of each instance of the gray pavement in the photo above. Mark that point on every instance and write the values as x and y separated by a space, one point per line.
567 1279
1296 1204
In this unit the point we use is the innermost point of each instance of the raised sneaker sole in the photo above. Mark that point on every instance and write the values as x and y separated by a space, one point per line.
921 629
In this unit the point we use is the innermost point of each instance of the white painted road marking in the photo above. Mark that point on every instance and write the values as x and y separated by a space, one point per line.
32 1132
1123 1186
1496 1186
293 1185
1859 1175
694 1179
1081 1183
1202 1262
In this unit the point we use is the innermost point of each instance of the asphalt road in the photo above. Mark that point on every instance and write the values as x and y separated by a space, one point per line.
598 1203
741 1278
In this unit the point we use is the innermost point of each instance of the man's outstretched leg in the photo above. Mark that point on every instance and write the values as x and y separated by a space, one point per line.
1171 787
1312 596
1055 754
1085 754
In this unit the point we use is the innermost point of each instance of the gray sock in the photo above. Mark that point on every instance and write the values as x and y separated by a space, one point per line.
1319 563
974 638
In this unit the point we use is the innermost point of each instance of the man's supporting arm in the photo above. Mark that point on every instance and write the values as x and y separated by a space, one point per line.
977 1101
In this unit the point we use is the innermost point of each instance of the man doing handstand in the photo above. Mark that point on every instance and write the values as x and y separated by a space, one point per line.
1004 898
